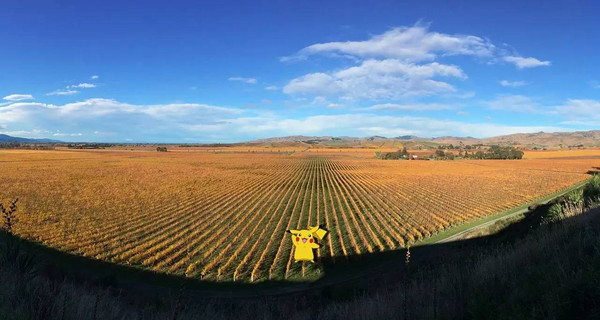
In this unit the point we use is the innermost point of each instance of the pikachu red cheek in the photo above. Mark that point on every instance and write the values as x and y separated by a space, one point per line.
311 240
297 239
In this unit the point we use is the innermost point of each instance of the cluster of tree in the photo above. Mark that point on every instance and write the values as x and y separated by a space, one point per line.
448 147
441 155
28 146
496 152
396 155
459 147
208 145
89 145
161 149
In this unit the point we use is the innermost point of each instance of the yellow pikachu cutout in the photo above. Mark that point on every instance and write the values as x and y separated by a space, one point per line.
305 241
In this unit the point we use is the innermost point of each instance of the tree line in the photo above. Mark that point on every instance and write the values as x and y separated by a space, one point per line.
27 146
493 152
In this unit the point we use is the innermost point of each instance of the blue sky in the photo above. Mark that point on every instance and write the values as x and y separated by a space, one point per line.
228 71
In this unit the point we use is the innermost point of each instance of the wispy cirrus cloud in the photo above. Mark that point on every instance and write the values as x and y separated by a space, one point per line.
94 77
522 63
514 103
411 107
83 85
62 92
583 112
70 89
369 124
39 133
513 84
18 97
244 80
580 112
412 44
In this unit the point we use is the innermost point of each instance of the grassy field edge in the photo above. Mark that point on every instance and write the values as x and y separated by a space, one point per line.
472 224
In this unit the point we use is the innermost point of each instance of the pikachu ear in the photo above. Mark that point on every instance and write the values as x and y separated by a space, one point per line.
294 231
313 229
320 233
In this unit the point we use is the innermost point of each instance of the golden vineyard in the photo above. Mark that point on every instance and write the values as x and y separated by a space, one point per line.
223 216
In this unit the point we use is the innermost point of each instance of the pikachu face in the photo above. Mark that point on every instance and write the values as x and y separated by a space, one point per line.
302 237
305 241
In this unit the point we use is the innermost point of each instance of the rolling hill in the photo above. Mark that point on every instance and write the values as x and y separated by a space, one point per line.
6 138
528 140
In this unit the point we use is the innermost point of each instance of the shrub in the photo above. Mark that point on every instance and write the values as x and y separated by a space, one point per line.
574 197
592 190
555 213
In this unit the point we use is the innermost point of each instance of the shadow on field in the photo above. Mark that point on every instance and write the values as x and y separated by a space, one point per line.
344 277
360 273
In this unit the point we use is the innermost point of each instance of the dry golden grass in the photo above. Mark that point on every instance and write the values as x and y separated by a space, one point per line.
550 154
223 215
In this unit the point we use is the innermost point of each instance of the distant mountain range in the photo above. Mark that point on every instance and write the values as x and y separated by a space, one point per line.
6 138
538 139
528 140
349 139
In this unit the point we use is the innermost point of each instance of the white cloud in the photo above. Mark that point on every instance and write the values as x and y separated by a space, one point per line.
62 134
70 89
514 103
411 107
117 120
178 122
94 77
522 63
413 44
392 65
378 79
39 133
580 112
368 124
334 105
62 92
514 84
18 97
83 85
245 80
271 88
99 110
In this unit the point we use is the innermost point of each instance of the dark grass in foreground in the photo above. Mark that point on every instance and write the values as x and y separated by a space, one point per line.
545 266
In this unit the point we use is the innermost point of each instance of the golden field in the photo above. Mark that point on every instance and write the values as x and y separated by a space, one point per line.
223 215
549 154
